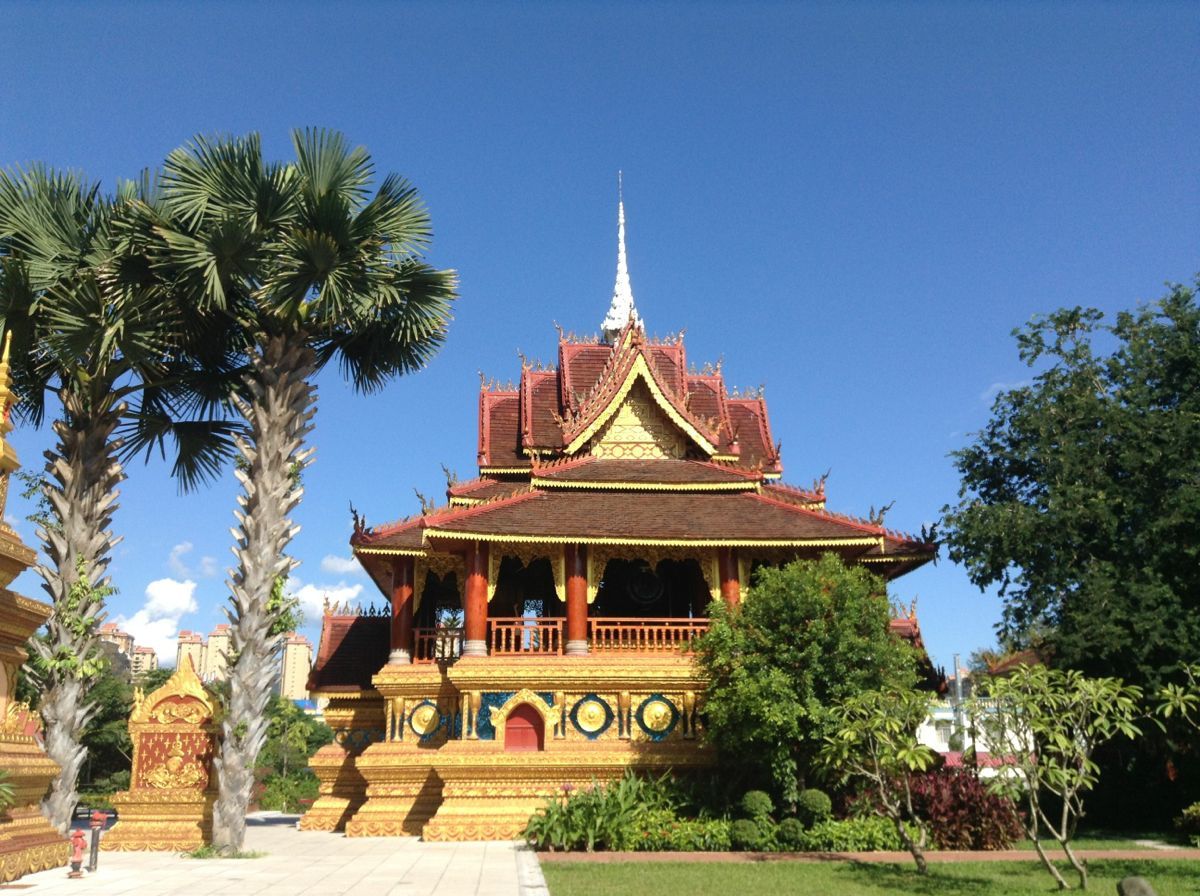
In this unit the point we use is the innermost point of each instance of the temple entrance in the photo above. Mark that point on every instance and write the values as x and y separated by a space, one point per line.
672 589
524 730
526 590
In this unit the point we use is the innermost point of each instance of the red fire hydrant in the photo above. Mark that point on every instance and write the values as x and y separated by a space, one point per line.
78 845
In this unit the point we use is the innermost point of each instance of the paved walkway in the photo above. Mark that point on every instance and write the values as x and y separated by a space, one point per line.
308 862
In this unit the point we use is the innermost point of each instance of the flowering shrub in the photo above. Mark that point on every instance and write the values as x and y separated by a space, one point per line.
963 813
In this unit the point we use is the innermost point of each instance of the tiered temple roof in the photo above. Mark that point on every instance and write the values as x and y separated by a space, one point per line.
619 444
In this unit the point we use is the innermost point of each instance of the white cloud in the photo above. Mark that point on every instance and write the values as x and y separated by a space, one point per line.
156 624
206 569
175 558
996 388
342 566
312 597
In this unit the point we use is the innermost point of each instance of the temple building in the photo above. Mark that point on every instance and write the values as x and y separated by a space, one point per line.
539 625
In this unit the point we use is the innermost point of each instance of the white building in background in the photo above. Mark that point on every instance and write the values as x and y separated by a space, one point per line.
144 660
111 633
297 662
209 658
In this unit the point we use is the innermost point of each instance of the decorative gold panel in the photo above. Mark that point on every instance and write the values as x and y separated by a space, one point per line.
638 431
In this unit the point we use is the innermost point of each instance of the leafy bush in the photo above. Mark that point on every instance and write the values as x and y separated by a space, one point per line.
745 834
602 816
756 805
852 835
7 796
1189 823
962 812
288 793
790 833
813 806
661 830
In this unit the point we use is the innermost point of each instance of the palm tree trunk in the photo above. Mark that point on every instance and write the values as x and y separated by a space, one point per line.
82 475
279 416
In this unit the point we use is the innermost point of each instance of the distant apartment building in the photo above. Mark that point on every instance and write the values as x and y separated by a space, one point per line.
111 633
143 660
297 661
216 654
209 657
190 646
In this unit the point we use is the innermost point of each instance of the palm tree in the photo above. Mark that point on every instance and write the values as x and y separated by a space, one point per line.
91 323
307 265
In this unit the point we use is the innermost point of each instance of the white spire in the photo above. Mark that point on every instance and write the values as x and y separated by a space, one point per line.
622 309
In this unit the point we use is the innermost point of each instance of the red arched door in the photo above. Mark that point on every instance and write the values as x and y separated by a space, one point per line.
524 730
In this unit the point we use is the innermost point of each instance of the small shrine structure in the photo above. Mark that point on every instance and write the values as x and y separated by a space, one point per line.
168 805
539 624
28 842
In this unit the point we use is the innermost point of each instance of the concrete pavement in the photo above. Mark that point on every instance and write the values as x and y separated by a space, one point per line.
310 862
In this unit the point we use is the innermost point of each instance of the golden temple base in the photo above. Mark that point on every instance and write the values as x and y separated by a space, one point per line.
169 820
403 791
28 843
341 790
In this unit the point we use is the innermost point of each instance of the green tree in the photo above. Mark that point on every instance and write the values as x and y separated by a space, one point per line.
807 638
1048 724
305 264
91 325
875 743
1081 496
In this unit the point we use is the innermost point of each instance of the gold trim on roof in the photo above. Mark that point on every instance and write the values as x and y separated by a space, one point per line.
503 471
869 541
746 485
394 552
639 369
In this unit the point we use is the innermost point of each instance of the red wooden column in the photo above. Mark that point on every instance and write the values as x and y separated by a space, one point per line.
402 610
475 608
575 557
727 569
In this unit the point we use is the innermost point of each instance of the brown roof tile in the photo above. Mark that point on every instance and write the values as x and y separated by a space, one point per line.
352 649
649 516
539 405
580 366
670 472
748 419
500 430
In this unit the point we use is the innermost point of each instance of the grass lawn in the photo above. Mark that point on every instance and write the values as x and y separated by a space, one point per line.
1103 839
1170 878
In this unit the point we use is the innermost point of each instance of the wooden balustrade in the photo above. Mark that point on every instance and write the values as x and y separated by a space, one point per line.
524 635
645 635
437 645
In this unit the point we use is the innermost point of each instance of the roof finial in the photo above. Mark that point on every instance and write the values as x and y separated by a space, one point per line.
621 311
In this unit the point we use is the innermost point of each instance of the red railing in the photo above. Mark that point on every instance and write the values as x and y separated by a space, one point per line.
524 635
645 635
437 645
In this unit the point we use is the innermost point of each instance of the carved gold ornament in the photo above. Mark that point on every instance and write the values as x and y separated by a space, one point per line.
592 715
177 771
425 719
657 715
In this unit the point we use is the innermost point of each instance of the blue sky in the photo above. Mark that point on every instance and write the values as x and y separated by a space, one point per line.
851 203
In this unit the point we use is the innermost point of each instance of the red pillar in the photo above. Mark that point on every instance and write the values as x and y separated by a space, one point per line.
475 609
402 610
575 556
727 569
